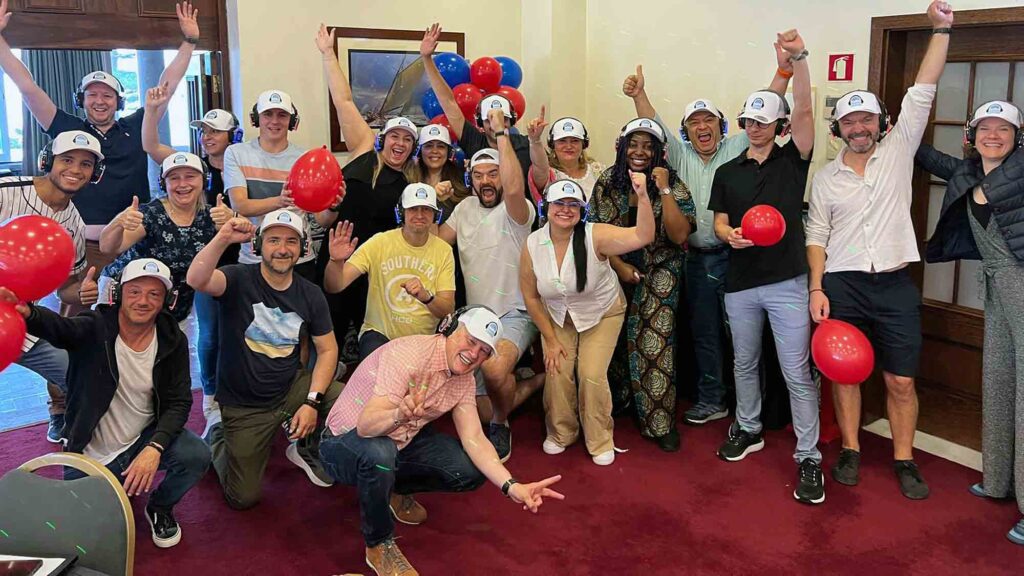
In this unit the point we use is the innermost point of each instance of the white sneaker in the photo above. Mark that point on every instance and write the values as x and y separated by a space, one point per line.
552 447
211 411
605 458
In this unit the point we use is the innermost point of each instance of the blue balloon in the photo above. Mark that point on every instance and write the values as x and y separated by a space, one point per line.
460 157
511 72
431 107
453 68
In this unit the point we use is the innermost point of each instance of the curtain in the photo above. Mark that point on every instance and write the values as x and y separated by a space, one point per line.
58 73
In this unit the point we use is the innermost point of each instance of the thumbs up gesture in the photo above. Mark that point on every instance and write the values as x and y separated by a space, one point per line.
220 213
130 218
633 85
89 290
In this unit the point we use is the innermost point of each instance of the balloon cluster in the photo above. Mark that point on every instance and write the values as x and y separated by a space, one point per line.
472 81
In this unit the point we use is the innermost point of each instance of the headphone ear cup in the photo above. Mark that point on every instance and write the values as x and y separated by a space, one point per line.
254 117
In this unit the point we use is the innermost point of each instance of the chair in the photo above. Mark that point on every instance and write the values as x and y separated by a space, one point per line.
89 517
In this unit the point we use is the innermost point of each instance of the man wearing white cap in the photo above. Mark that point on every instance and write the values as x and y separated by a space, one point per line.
772 278
130 390
266 311
68 163
379 438
101 96
860 240
489 229
411 271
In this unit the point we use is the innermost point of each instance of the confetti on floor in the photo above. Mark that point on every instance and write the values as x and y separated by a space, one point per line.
384 468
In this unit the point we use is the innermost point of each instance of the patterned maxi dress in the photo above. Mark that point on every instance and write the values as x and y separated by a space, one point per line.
645 355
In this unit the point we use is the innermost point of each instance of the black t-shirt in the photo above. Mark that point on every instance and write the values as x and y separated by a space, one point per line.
126 174
261 330
473 140
741 184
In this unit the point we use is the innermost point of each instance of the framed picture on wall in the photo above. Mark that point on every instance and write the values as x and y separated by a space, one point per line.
386 73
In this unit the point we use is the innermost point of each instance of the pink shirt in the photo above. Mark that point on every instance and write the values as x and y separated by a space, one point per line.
400 367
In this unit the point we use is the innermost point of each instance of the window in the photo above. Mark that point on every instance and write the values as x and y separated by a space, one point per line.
10 120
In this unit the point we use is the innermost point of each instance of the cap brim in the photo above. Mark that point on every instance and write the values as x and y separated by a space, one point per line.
650 131
163 280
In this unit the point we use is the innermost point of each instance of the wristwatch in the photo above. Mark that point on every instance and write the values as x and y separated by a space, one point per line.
313 399
797 57
508 486
192 40
429 300
501 133
666 191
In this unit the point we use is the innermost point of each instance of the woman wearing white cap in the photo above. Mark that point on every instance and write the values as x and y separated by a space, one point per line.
574 298
436 159
980 219
172 229
652 277
565 157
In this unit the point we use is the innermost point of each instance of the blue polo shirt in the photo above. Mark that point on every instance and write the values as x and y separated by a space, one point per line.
127 170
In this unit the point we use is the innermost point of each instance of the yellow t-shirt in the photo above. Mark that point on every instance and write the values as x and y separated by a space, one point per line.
388 261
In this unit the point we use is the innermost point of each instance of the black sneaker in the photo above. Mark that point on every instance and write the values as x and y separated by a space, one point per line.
847 469
166 532
55 429
501 437
740 444
668 442
810 488
912 484
309 464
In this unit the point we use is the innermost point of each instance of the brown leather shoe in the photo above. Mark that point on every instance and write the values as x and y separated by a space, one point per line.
387 560
407 510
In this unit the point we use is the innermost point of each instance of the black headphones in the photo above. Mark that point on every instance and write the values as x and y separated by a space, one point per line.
723 123
883 118
450 323
782 124
400 212
257 241
46 158
78 96
170 298
622 137
207 179
479 110
551 136
971 133
293 122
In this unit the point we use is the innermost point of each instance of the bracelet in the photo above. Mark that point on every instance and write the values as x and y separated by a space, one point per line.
156 447
811 291
192 40
314 404
797 57
784 74
431 299
508 486
942 30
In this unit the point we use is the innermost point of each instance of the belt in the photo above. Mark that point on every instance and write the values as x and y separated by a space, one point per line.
713 250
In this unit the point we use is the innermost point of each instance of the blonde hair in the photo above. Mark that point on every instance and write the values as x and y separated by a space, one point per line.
582 163
410 169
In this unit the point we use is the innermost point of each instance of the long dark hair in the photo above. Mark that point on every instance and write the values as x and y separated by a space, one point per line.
579 247
620 170
449 171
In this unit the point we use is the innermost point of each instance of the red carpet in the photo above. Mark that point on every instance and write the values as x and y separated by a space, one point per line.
650 512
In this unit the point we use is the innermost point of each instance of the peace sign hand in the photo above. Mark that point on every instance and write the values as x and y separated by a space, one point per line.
532 495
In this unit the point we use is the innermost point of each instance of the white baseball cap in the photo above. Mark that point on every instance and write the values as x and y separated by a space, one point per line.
76 140
856 101
284 217
274 100
701 105
484 156
181 160
483 325
644 125
218 120
146 267
102 78
434 133
998 109
764 106
419 195
400 123
568 128
495 101
562 189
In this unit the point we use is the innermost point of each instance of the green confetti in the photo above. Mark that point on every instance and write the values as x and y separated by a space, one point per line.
712 277
358 401
474 278
52 527
384 468
793 306
80 549
502 293
4 532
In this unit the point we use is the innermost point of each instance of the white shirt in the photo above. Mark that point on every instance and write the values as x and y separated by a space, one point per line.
131 409
863 222
490 243
588 179
557 287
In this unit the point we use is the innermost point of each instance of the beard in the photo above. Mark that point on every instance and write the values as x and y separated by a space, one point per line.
279 265
491 203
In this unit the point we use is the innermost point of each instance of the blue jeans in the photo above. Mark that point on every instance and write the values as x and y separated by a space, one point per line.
49 362
705 291
370 341
206 348
185 461
786 305
431 462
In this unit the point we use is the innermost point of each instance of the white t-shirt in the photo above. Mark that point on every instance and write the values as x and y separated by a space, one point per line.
490 243
132 407
594 170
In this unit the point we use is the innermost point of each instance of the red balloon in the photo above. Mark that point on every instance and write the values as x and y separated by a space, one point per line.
486 73
842 352
468 97
36 256
515 97
443 121
12 334
763 225
315 179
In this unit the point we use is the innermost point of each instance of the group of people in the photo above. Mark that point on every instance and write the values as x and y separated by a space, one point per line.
448 274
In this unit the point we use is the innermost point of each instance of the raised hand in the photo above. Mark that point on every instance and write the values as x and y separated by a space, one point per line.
940 14
325 40
535 129
496 118
285 200
660 175
89 290
237 230
188 19
444 190
782 58
157 96
633 85
130 218
220 213
639 180
9 297
430 38
5 16
532 495
790 41
737 241
341 243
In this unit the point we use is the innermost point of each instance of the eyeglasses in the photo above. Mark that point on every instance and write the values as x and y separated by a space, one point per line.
567 203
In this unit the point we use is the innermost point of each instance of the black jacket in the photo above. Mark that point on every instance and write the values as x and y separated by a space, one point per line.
1004 189
93 376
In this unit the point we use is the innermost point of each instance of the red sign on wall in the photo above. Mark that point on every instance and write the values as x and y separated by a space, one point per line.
840 67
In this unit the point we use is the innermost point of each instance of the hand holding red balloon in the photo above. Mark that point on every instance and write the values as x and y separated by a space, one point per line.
819 305
286 199
315 181
736 239
763 225
12 327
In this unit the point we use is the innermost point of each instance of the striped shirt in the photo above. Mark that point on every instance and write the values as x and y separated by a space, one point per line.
407 365
18 197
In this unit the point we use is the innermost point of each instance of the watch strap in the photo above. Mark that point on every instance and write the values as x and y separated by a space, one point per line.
508 485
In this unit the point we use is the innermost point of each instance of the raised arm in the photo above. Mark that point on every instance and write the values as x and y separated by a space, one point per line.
442 90
509 170
189 24
803 108
936 162
633 86
940 14
780 82
612 240
354 129
540 169
203 275
156 105
38 102
123 231
339 272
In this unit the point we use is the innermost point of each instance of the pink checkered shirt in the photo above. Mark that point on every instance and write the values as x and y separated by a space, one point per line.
402 367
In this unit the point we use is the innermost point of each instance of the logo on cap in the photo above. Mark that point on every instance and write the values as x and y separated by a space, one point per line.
211 114
994 109
99 76
645 123
757 104
403 122
151 267
81 139
180 159
495 103
567 126
568 188
275 98
284 217
433 131
699 104
492 328
421 192
856 100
